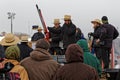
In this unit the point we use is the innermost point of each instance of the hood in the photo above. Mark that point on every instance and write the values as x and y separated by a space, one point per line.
40 54
84 45
74 53
15 62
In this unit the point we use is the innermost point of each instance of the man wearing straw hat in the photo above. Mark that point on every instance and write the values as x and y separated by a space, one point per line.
9 40
68 32
38 35
55 39
98 39
24 48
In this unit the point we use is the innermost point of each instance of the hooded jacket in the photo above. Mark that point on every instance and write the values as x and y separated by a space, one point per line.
89 59
75 69
40 65
18 69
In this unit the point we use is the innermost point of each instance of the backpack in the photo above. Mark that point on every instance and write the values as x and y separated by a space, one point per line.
6 75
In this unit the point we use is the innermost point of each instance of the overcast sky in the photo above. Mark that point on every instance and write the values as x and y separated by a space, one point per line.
82 12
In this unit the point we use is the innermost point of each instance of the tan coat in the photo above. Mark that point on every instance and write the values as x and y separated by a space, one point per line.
40 65
18 69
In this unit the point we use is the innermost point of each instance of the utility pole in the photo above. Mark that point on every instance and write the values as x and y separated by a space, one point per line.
11 16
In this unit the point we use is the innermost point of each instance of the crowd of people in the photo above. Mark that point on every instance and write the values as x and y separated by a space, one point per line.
81 64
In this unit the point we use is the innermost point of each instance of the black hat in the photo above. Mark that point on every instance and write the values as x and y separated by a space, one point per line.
104 18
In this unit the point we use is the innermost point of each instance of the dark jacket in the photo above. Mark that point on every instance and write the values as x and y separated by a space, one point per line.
40 65
88 57
111 34
75 69
68 34
99 33
55 36
2 52
37 36
25 50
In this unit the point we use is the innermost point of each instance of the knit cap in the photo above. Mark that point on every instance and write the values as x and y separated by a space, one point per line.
12 52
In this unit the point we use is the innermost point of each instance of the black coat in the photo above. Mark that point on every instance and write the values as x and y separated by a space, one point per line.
111 34
2 52
68 33
99 33
37 36
55 36
25 50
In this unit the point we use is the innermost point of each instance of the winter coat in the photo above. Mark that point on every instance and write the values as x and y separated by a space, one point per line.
55 36
89 59
24 50
111 34
40 65
37 36
2 52
99 33
75 69
68 34
18 69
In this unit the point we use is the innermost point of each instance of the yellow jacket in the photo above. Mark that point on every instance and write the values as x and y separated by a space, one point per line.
19 69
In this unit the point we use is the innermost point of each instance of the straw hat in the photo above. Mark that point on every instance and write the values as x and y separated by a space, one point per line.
96 21
67 17
39 28
9 40
24 39
56 21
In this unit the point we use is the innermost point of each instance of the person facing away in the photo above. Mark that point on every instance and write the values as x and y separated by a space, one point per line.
68 32
9 40
12 55
89 59
75 69
79 34
24 48
38 35
98 41
55 37
40 65
111 34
